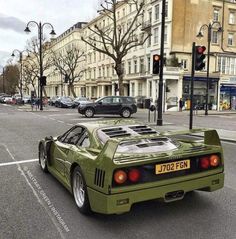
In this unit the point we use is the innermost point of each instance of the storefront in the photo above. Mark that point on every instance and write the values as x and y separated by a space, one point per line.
228 97
199 93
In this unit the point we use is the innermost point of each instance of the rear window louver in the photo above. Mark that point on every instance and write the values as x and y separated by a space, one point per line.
116 132
99 177
142 129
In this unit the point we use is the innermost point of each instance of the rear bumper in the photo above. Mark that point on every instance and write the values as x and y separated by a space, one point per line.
122 202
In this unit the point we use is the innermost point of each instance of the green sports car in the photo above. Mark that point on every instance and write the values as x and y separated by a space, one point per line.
110 165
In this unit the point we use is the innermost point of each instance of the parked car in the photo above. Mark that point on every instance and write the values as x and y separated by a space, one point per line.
64 102
2 98
124 106
26 99
52 100
10 100
78 100
110 165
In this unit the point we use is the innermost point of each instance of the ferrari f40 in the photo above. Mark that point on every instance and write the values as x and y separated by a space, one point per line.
110 165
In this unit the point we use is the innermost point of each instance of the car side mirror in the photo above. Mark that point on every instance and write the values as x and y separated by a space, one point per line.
100 102
49 138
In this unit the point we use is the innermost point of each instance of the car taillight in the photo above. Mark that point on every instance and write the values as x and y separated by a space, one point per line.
205 162
134 175
120 177
209 161
214 160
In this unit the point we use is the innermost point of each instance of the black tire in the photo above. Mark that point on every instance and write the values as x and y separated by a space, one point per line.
79 189
89 112
126 113
43 159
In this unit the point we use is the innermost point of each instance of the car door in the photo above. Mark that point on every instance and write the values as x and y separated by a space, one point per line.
103 106
116 105
63 147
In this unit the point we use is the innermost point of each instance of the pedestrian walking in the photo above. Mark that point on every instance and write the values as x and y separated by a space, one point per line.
181 104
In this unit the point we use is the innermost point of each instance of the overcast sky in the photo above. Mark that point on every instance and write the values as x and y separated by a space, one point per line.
15 14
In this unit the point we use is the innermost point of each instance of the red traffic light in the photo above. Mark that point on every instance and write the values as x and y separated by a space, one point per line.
156 65
156 57
200 49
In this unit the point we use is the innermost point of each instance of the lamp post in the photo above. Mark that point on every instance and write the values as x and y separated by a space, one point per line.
40 37
160 90
21 69
209 28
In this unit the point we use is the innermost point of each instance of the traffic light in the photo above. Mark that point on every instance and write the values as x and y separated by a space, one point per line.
199 57
156 64
43 80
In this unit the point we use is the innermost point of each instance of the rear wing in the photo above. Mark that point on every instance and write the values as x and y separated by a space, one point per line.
210 137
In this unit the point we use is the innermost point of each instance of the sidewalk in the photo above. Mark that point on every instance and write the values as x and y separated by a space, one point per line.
28 108
225 135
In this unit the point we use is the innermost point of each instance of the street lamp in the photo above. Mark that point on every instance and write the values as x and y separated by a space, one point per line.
40 36
209 28
21 68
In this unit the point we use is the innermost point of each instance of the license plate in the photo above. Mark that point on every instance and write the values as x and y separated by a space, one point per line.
172 167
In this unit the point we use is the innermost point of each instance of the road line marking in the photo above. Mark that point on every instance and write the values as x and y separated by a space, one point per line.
18 162
35 193
59 121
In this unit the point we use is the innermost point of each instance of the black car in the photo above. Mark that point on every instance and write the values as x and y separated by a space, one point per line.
124 106
64 102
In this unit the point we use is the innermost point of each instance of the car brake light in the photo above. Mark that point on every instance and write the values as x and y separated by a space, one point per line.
204 162
214 160
120 176
134 175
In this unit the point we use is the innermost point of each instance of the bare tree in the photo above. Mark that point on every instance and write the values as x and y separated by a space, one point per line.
33 49
12 76
69 65
117 39
30 75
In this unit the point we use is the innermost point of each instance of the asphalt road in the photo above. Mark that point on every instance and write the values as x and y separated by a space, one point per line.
35 205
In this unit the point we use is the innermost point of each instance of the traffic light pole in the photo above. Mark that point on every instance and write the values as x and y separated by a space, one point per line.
160 90
208 66
192 86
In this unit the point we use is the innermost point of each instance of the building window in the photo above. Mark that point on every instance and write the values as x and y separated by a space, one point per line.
135 66
215 37
149 63
184 63
150 16
129 67
142 70
230 39
166 10
150 88
100 72
157 12
216 15
165 36
94 73
149 41
108 71
140 89
232 18
156 35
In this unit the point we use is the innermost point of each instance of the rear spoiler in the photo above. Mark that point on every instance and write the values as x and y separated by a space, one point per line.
210 136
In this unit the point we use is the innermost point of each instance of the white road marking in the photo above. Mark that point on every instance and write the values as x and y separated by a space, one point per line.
59 121
18 162
35 193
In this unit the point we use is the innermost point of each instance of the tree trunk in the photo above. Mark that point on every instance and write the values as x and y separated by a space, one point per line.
71 86
120 73
44 92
